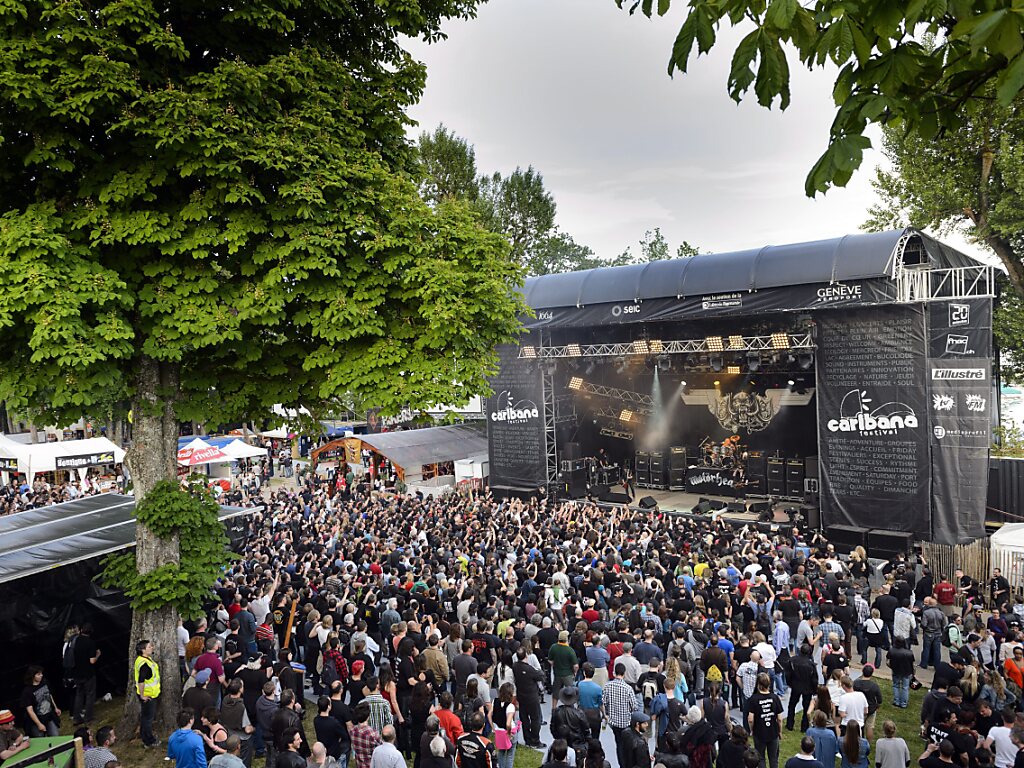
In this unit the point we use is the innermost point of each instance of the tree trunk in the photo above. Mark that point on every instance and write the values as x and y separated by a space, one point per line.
151 458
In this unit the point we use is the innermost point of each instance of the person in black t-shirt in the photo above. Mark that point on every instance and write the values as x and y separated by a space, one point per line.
764 720
329 731
806 757
938 755
87 655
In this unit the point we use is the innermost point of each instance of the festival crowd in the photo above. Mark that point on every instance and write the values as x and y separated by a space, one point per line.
448 631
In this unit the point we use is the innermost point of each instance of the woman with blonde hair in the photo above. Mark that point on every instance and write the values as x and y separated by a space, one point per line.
969 683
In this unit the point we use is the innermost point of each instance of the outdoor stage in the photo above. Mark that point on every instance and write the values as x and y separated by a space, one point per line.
850 376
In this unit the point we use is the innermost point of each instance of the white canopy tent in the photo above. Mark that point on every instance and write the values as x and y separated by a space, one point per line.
198 452
33 458
237 449
1007 553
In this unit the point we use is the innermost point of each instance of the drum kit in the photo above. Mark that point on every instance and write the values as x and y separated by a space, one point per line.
729 454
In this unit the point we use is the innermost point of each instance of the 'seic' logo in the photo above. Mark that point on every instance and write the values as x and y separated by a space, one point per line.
959 314
939 432
514 412
625 309
942 402
857 415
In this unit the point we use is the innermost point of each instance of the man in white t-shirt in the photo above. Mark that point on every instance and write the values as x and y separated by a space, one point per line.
999 742
853 705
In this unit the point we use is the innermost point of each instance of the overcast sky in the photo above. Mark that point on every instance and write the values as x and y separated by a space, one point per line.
579 90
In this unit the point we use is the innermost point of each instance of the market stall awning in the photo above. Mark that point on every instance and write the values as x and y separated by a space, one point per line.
33 458
419 447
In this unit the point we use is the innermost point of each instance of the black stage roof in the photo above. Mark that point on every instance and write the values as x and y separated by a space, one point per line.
853 257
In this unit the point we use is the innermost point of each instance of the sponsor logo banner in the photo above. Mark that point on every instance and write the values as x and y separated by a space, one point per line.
84 460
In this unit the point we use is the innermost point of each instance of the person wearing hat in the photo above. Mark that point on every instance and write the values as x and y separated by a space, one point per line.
635 752
146 673
198 698
569 722
564 665
12 741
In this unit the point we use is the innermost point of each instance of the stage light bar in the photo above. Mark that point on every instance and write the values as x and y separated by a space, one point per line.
574 350
576 383
657 347
626 415
780 341
717 383
640 347
714 344
732 369
528 352
736 342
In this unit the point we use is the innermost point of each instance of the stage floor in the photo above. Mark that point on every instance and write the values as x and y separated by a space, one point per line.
680 501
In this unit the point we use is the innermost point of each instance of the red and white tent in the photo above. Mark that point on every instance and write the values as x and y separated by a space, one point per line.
200 452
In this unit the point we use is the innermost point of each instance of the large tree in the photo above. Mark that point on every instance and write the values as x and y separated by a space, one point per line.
207 208
922 65
969 180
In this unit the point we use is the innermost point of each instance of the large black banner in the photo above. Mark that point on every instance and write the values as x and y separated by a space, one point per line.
792 297
961 432
960 329
872 419
515 424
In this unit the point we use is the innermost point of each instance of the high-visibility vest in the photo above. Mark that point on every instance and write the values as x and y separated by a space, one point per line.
151 687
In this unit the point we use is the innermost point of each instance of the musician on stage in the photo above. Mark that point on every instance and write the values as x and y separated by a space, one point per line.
627 482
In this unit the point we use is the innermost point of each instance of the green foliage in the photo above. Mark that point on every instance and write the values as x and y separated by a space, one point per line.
654 247
448 167
924 66
519 207
228 188
969 180
167 510
1009 441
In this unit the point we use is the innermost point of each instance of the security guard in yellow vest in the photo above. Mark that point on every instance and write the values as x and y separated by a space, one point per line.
147 686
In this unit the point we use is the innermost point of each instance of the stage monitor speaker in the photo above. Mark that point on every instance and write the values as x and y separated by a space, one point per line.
847 537
571 451
600 490
776 487
647 502
756 466
776 469
615 498
811 467
885 545
813 514
736 506
703 508
757 507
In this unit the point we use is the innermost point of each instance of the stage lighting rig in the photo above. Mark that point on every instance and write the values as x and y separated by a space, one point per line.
528 352
590 368
664 363
626 415
780 341
623 364
733 369
574 350
714 344
736 342
657 347
805 360
716 363
576 383
640 347
753 361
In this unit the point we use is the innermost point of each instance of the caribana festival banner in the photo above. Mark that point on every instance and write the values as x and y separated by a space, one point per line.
873 419
515 424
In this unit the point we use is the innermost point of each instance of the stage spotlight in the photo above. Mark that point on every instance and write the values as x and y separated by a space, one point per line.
714 344
574 350
657 347
550 368
736 342
716 363
640 347
791 384
590 367
717 383
732 369
805 360
753 361
623 364
664 363
626 415
528 352
780 341
576 383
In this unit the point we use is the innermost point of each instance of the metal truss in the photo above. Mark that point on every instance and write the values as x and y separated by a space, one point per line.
614 413
775 342
922 284
550 425
617 433
635 398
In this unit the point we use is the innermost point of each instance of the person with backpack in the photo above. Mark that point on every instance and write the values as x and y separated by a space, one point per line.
568 721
